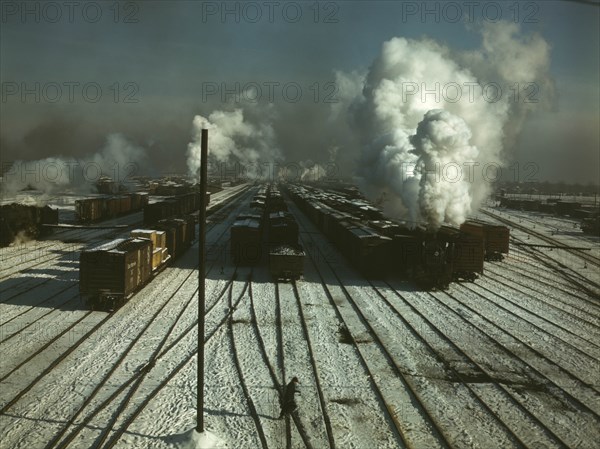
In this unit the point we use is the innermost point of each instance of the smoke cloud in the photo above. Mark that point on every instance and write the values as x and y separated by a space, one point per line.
422 107
119 160
236 140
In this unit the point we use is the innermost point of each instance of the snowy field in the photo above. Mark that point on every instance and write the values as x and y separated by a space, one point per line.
511 360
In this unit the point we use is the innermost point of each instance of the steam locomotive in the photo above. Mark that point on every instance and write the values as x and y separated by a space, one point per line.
26 221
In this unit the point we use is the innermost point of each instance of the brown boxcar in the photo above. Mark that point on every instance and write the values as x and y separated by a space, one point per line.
467 253
113 272
113 206
90 209
496 237
125 204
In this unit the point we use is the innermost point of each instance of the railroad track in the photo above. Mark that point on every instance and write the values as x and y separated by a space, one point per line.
80 341
166 350
509 398
137 379
272 371
248 397
573 277
574 348
476 372
313 364
579 406
397 426
587 257
546 299
100 385
221 215
42 302
550 282
281 359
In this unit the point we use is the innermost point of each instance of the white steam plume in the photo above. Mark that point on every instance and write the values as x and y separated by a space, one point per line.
233 139
119 159
409 79
442 143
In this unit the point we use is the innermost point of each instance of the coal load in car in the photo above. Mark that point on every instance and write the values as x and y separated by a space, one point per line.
286 261
110 274
246 241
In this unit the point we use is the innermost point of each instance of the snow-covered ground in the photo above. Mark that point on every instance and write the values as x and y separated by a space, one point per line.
510 360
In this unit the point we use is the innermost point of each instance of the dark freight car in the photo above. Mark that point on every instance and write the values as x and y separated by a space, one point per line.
246 241
496 237
287 261
282 228
180 234
110 274
467 252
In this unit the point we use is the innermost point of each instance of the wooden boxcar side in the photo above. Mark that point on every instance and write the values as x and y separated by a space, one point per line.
111 273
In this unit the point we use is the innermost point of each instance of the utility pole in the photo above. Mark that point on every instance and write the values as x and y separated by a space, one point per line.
202 278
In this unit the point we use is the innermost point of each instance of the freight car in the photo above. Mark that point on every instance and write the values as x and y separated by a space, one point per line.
246 248
382 247
591 225
496 237
466 252
26 222
111 273
180 205
282 228
105 207
286 261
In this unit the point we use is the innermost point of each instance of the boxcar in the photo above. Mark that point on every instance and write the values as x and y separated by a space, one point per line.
496 237
110 274
467 252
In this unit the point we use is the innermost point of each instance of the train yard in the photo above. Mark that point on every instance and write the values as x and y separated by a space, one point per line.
510 359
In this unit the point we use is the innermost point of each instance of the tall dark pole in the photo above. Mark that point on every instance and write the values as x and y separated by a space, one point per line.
202 277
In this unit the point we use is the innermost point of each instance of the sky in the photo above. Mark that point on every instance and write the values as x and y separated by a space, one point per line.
158 65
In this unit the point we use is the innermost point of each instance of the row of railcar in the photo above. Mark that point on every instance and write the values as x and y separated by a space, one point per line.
175 206
562 208
19 221
113 272
268 228
379 248
247 231
286 255
105 207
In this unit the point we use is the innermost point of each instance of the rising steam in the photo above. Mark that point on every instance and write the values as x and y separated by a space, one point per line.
119 159
243 145
451 133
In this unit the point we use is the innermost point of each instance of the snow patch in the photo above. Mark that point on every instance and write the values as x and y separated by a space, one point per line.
194 440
